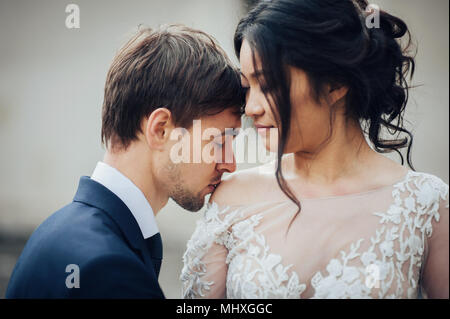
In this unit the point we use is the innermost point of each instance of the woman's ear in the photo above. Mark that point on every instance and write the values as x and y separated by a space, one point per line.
157 127
336 92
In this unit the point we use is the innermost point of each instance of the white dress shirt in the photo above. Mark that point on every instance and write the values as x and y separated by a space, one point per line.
130 194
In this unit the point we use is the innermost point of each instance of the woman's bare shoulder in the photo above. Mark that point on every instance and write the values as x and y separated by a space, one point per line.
245 186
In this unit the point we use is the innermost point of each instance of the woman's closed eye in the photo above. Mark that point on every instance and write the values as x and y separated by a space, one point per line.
263 88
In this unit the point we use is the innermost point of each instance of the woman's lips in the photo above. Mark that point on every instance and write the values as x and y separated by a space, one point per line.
263 129
263 126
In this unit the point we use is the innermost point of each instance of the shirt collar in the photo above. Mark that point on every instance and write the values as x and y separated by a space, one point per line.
130 194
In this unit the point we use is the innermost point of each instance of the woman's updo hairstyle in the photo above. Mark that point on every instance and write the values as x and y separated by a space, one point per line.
332 41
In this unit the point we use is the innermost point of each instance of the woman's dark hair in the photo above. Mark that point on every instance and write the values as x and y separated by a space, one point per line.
331 42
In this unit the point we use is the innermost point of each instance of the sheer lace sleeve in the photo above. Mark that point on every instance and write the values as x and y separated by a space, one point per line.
205 267
435 273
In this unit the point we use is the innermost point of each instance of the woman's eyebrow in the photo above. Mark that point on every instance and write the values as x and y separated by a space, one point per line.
255 74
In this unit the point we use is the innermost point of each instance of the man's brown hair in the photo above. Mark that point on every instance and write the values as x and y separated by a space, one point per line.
174 66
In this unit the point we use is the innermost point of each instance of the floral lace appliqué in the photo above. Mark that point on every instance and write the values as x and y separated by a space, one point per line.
253 271
405 223
388 268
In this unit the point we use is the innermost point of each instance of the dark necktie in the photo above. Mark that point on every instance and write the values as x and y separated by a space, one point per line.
155 248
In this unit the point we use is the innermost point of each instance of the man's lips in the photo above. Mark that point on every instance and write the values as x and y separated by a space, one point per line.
215 184
212 187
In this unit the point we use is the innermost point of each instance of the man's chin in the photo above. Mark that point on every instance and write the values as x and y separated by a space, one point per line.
192 205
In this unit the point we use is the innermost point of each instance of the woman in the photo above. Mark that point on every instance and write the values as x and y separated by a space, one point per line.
333 218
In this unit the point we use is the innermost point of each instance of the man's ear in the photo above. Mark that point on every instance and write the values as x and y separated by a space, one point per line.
157 128
336 92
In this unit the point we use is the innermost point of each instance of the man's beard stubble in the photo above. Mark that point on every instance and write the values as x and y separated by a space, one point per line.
180 194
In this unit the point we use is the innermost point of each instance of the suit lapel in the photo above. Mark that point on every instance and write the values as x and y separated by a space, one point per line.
95 194
154 245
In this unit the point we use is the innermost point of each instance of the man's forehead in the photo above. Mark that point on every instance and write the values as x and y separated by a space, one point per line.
222 120
231 129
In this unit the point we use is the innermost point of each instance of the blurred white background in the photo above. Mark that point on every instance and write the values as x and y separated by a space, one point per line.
51 93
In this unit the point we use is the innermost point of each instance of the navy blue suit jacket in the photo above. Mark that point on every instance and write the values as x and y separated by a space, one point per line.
98 234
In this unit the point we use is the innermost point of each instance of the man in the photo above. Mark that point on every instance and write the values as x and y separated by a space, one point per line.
106 244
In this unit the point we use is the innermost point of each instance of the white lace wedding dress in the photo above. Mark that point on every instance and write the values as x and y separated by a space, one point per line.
366 245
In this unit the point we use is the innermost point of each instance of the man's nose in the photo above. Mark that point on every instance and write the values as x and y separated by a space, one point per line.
228 165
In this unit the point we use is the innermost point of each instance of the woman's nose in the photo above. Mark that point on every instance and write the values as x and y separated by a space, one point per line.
253 108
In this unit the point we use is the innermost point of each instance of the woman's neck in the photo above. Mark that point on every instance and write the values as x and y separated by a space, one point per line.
343 156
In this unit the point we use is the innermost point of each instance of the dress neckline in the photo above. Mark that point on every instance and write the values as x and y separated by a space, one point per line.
403 179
